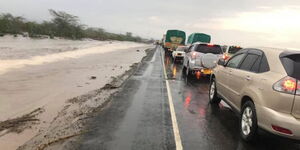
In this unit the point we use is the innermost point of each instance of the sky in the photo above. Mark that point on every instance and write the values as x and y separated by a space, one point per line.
268 23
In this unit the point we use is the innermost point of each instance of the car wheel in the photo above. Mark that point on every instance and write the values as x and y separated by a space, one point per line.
188 72
183 70
248 122
213 95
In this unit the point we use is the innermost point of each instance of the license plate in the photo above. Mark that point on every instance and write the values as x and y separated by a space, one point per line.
206 71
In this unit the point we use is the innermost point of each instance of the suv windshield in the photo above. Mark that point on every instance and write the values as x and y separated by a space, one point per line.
204 48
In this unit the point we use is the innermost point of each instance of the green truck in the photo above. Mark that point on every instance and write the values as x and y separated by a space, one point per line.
198 37
173 39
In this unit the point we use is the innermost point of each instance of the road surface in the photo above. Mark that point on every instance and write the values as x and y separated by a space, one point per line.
140 116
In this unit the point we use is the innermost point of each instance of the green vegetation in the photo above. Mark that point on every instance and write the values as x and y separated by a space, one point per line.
62 25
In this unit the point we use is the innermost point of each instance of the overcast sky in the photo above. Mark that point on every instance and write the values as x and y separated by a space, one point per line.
272 23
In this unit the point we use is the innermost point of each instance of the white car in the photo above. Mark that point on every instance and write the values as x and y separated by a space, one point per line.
201 58
179 53
229 51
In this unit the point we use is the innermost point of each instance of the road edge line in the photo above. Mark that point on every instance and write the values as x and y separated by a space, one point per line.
177 137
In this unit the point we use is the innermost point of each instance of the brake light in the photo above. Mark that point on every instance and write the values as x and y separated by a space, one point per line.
289 84
210 45
298 87
225 56
194 54
286 85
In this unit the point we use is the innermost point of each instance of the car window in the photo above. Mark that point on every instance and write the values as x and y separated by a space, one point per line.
204 48
235 61
255 67
264 66
224 48
233 49
192 48
189 49
291 63
180 49
249 61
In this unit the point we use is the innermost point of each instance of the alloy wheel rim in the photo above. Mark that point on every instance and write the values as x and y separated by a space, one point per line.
247 121
187 71
212 90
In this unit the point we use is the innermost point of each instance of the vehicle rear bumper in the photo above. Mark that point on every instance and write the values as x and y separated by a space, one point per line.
268 117
201 70
179 57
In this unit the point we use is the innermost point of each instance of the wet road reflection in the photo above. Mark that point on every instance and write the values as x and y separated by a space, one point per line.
204 126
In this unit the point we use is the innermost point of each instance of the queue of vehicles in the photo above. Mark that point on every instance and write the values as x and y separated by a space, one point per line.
262 85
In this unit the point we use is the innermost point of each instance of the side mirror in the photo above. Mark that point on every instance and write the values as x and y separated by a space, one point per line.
222 62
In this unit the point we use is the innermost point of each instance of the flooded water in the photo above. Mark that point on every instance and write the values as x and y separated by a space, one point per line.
17 52
24 47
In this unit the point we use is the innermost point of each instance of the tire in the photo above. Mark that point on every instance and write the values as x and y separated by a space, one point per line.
183 70
213 93
188 73
248 122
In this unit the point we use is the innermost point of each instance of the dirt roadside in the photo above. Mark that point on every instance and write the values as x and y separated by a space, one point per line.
70 121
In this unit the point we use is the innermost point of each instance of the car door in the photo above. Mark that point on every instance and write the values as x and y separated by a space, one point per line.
224 75
187 55
243 76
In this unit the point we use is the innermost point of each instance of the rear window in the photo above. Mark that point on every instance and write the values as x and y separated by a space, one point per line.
291 63
204 48
180 48
233 49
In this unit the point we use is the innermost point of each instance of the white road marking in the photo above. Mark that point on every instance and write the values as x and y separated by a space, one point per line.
172 110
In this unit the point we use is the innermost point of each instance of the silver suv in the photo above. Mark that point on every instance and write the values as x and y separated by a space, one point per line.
263 86
201 59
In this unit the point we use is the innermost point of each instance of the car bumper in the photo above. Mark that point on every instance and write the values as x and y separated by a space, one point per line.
201 70
179 57
268 118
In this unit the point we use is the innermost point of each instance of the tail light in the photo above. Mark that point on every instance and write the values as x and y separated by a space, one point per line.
298 88
286 85
225 56
194 54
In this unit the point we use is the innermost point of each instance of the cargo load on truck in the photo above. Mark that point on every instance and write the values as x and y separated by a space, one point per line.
198 37
173 39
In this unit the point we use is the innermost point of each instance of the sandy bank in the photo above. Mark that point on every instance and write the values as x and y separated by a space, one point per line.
46 82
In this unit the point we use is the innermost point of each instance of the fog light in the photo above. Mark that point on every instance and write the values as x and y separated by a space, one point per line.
282 130
198 74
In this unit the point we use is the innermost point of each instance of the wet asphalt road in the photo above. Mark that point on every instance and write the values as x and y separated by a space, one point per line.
138 117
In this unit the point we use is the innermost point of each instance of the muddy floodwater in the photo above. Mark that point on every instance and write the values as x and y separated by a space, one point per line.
38 77
24 47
